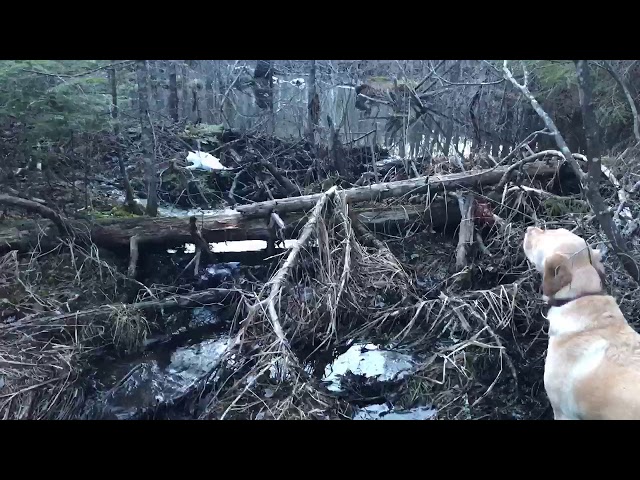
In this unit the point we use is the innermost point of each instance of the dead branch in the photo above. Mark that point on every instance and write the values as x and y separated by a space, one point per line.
190 300
276 282
531 158
64 229
286 184
227 226
198 239
551 126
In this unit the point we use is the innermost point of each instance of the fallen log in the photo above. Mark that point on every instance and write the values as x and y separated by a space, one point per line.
251 222
227 226
379 191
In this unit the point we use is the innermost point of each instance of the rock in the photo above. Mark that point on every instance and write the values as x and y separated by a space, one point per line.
201 316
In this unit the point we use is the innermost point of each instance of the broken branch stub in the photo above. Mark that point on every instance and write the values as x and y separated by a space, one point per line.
465 236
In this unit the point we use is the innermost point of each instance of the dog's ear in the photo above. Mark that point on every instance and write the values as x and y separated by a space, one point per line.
556 275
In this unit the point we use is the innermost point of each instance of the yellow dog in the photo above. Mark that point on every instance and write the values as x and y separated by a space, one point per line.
592 368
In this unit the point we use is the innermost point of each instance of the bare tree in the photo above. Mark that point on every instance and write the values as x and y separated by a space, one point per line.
173 91
147 137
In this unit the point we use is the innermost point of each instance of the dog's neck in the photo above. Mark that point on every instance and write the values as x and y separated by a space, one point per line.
559 302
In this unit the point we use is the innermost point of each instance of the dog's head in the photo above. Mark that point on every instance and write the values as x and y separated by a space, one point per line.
569 267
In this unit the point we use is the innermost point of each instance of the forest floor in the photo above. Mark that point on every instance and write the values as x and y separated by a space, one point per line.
339 323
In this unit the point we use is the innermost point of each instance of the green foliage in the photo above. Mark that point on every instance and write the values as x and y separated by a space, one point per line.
48 97
559 207
557 84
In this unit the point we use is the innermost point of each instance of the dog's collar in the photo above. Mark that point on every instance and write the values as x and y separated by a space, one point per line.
559 302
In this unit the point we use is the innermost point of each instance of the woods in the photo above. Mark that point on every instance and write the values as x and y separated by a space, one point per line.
312 239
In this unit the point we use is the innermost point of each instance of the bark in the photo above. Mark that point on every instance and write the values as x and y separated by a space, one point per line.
147 138
173 91
594 152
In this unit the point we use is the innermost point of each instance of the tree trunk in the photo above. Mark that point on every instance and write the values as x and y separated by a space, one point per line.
185 92
147 138
173 91
209 96
313 106
594 152
130 202
448 127
154 82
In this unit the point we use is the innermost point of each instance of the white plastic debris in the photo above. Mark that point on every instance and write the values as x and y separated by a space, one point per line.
204 161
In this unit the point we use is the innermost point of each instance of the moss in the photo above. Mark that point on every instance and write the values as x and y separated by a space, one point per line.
119 211
555 207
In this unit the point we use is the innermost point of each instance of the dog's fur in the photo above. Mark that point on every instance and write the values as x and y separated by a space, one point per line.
592 368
